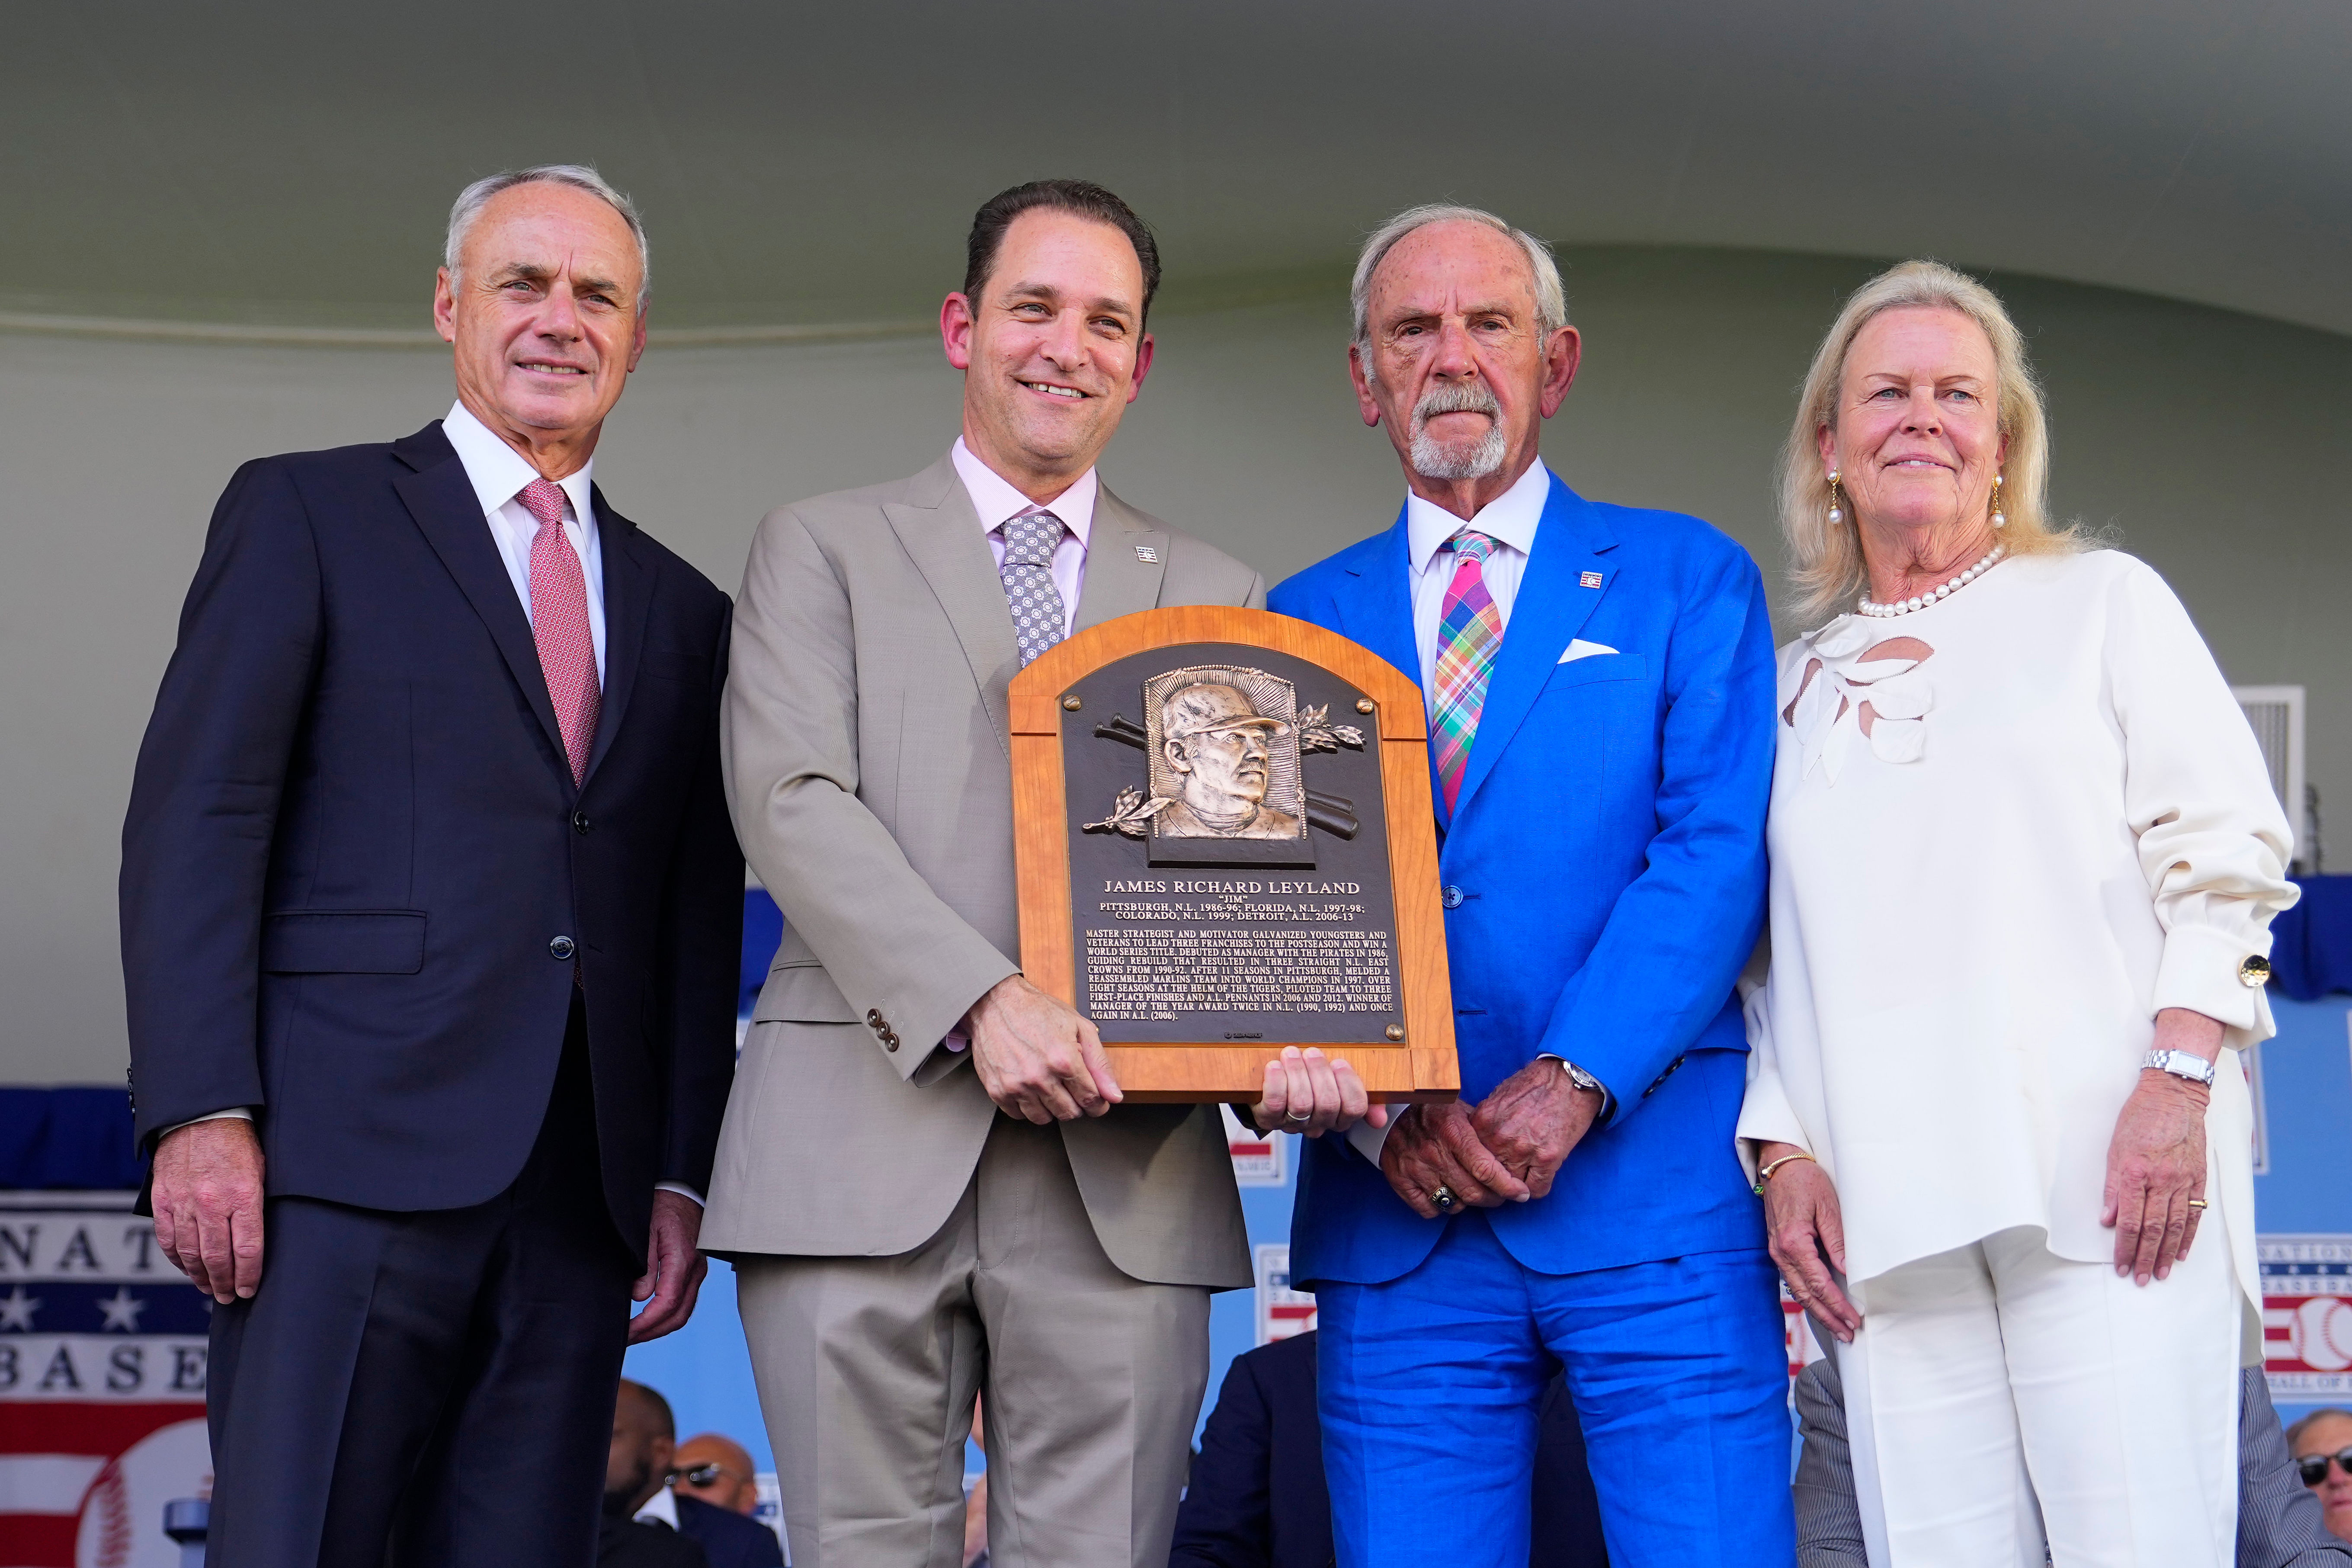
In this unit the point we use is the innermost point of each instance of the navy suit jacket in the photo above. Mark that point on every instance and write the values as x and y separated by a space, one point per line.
729 1540
359 887
1604 869
1257 1498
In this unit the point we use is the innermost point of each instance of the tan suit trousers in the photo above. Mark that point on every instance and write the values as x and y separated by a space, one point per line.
867 1367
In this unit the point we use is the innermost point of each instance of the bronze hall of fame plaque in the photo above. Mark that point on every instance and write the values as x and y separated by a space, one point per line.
1223 826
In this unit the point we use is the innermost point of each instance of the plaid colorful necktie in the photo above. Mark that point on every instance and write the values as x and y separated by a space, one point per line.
1467 636
1038 612
559 624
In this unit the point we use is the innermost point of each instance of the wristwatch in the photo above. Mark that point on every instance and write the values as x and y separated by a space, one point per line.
2180 1064
1580 1078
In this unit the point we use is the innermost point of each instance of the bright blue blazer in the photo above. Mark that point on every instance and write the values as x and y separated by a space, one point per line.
1608 852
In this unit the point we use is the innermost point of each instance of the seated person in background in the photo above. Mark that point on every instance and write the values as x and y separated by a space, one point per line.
2322 1445
714 1469
2279 1524
1257 1498
644 1441
634 1469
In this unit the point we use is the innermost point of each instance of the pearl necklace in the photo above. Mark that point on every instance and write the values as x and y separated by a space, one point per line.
1942 591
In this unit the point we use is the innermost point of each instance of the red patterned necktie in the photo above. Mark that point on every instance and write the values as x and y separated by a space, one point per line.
559 624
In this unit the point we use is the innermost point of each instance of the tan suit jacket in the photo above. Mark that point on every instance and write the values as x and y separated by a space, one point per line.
870 775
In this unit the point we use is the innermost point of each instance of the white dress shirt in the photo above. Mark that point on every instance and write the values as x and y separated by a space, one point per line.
499 474
998 502
2058 826
1509 520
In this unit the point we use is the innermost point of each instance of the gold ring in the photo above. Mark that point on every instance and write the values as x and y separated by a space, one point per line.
2197 1203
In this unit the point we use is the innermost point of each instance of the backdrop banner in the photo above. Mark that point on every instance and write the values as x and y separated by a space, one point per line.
2307 1317
101 1384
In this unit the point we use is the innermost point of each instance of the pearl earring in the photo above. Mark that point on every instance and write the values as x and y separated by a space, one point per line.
1837 513
1999 517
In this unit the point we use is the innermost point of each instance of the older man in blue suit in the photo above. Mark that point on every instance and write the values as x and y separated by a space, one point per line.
1600 690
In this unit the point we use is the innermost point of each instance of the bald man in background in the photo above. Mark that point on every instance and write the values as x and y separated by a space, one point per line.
718 1470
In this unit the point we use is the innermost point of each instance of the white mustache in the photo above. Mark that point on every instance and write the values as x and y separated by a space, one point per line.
1467 397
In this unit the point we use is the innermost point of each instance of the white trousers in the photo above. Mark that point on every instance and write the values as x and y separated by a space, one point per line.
2000 1398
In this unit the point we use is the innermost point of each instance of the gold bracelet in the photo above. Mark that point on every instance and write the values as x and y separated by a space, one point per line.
1764 1173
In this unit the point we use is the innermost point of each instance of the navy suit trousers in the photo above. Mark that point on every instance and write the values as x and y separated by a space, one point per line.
439 1381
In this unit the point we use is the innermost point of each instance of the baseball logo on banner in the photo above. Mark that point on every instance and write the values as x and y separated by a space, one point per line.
2307 1316
102 1349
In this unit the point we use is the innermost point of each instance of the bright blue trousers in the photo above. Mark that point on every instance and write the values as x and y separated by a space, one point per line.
1430 1385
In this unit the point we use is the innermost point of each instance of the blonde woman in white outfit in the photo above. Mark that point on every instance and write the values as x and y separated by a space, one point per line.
2024 861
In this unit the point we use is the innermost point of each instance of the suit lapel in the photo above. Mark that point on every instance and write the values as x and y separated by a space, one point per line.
1119 581
1375 604
1550 607
442 501
941 534
628 599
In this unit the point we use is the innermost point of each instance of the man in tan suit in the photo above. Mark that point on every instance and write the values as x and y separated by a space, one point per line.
907 1232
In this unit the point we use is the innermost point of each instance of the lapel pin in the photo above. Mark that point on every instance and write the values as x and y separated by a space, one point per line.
1591 579
1148 553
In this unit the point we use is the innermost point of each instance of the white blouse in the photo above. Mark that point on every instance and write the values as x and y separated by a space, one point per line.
2059 825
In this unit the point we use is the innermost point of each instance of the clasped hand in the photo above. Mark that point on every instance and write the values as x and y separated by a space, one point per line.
1038 1057
1507 1148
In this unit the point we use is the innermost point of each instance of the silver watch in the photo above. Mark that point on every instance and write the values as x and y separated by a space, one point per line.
1579 1077
2180 1064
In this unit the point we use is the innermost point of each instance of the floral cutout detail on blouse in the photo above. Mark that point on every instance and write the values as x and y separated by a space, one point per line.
1860 689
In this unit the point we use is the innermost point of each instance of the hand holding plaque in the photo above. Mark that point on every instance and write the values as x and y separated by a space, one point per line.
1230 872
1310 1094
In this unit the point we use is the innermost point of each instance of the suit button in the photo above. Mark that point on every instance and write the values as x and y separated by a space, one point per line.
889 1041
874 1018
1450 896
579 822
561 948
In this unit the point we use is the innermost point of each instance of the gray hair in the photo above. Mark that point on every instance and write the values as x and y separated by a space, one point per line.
2295 1433
1825 561
579 177
1551 299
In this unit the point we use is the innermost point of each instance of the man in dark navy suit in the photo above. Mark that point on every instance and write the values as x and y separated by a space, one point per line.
430 919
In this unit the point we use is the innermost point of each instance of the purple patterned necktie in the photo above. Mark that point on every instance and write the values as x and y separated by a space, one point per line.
1467 636
1038 613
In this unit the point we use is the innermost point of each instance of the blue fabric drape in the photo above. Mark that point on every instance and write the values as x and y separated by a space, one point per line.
2311 945
70 1139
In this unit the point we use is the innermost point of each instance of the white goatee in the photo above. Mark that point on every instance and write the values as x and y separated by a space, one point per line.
1436 459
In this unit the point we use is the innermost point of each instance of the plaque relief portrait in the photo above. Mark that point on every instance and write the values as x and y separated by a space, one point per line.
1228 767
1224 781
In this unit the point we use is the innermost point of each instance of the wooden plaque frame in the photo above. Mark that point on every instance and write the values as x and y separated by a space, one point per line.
1421 1067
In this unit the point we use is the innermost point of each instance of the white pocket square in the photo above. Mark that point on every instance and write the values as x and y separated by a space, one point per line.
1579 648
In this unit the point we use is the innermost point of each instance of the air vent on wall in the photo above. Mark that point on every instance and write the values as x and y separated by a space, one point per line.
2275 714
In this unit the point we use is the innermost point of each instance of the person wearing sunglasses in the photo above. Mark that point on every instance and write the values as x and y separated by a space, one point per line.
715 1469
2322 1445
